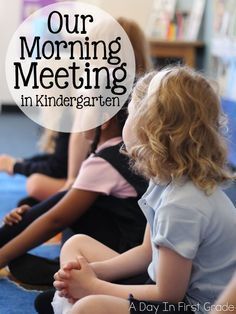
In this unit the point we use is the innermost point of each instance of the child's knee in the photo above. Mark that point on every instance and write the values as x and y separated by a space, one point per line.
33 185
86 305
77 241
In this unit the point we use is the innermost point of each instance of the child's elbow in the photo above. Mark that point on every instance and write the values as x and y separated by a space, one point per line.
172 297
147 252
175 299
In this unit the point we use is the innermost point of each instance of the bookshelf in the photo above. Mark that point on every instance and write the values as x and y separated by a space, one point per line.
174 28
176 19
180 49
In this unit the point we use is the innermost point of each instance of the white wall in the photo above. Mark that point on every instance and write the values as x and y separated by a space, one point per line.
137 10
10 12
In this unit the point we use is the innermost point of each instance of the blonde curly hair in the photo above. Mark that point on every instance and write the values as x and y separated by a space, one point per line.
178 125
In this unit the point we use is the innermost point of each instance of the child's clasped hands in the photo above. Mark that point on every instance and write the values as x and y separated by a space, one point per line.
75 279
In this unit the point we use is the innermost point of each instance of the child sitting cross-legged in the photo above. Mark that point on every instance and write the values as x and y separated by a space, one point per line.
174 135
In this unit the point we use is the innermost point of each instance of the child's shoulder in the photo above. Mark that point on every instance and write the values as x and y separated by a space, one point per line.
185 193
186 196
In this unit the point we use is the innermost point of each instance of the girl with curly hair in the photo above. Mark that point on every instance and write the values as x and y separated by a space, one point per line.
174 136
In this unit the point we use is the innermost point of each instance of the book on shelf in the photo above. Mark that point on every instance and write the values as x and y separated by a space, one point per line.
167 22
162 14
195 19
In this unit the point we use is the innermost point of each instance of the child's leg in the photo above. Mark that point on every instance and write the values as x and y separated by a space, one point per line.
7 233
104 304
43 301
86 246
93 251
41 186
101 304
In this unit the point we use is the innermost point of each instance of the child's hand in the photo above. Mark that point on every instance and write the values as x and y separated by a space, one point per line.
15 216
60 282
79 283
7 163
64 274
71 265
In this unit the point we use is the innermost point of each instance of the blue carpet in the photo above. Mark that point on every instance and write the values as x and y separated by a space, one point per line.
15 299
12 189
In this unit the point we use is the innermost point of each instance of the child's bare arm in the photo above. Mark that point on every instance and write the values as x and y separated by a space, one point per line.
109 265
70 208
106 263
131 263
173 273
